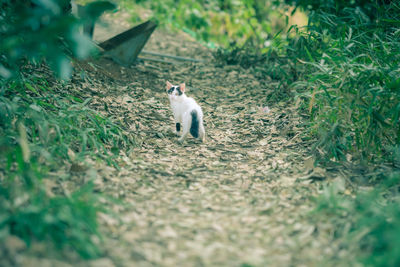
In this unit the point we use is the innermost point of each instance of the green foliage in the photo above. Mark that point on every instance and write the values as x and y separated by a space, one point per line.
341 7
45 127
352 81
66 221
58 123
217 23
40 130
245 56
43 30
350 84
369 223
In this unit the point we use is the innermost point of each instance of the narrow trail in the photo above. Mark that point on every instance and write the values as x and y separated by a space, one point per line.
240 199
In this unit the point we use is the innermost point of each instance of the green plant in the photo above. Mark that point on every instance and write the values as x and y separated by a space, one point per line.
367 224
45 127
352 80
44 30
41 131
66 221
217 23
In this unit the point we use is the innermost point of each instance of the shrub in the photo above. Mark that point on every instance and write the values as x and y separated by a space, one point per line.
352 81
216 23
39 130
43 127
43 30
367 224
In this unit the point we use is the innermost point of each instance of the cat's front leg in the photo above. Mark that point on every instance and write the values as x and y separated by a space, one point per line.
178 125
177 129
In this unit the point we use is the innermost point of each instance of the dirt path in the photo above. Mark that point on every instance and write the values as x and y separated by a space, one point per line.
240 199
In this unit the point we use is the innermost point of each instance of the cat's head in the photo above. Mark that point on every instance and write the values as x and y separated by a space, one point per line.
175 91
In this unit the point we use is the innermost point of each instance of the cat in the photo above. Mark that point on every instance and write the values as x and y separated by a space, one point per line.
186 113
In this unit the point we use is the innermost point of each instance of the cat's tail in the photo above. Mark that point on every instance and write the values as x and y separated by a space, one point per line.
194 127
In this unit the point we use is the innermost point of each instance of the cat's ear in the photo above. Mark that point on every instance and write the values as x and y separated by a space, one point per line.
182 86
169 85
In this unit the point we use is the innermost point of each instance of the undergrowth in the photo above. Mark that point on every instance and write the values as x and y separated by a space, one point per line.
43 132
367 222
47 131
215 23
350 89
352 82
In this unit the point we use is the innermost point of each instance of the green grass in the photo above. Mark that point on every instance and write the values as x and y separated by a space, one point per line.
351 85
367 223
46 129
43 129
350 88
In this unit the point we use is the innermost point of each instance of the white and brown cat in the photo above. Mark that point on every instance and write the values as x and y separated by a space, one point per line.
187 113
